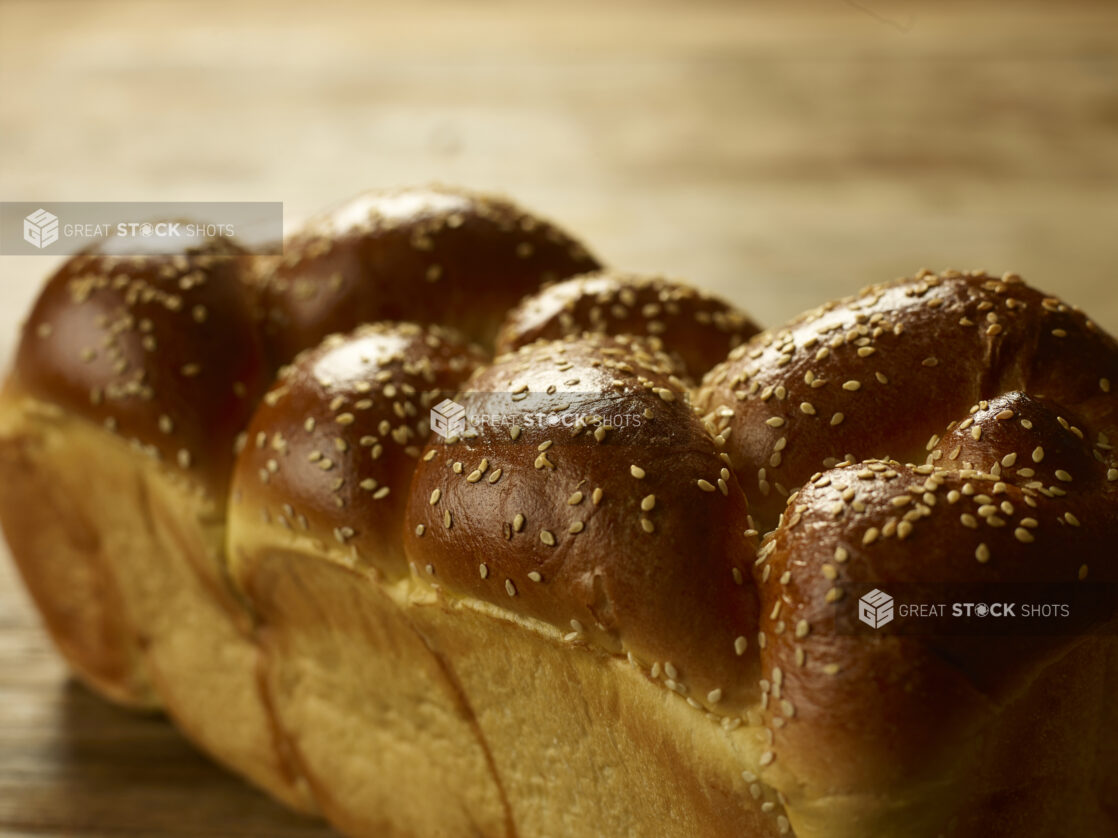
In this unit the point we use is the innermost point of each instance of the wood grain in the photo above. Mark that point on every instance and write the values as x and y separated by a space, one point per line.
779 154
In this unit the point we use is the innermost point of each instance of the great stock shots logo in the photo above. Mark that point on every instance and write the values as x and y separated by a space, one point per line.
875 609
448 418
40 228
137 228
519 410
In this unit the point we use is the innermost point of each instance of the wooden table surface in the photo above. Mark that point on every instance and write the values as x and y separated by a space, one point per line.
780 154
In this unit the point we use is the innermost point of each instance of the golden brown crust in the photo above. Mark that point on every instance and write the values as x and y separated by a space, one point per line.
876 375
428 255
332 448
159 349
697 328
632 534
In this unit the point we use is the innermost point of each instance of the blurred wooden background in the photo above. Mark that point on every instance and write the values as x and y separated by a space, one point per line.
780 154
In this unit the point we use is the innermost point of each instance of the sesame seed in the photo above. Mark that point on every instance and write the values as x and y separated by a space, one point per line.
982 553
1038 454
576 528
705 485
1063 475
575 499
637 472
483 570
647 525
841 555
767 757
837 419
1104 385
435 495
1023 535
448 519
368 484
184 458
808 408
648 503
535 576
547 538
714 696
510 587
596 497
852 385
382 493
802 628
904 530
871 535
740 645
865 351
1082 572
345 419
831 669
518 523
775 421
833 595
420 529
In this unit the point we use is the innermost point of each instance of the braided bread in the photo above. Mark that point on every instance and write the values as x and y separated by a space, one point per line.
615 590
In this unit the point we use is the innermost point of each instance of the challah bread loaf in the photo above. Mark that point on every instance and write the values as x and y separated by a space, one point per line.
555 619
373 717
132 379
427 255
696 328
